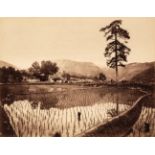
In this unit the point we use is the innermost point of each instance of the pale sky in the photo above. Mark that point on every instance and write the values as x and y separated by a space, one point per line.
25 40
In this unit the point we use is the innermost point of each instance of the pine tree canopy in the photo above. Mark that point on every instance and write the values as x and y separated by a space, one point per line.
116 51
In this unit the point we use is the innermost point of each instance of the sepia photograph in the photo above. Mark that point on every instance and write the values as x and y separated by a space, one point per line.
77 77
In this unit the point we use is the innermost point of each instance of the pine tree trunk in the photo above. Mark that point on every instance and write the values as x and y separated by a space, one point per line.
116 59
117 104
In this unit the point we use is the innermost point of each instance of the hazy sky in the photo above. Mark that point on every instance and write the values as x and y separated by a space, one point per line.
24 40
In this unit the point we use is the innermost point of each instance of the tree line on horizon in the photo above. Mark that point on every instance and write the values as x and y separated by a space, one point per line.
10 74
40 71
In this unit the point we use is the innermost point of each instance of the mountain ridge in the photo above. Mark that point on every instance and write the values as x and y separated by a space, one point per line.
7 64
141 72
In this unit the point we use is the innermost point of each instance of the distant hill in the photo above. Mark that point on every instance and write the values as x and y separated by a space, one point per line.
78 68
6 64
146 73
140 72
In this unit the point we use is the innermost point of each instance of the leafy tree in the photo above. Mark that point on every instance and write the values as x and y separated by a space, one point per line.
18 76
10 75
3 75
35 70
102 77
48 68
24 73
44 70
116 51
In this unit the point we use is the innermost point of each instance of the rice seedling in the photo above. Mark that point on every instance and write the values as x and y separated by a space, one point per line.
29 121
145 125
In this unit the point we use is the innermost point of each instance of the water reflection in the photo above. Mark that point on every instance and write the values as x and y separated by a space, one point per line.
9 94
62 100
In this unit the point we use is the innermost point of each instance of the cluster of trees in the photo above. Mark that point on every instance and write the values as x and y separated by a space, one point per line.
39 71
43 70
9 74
100 77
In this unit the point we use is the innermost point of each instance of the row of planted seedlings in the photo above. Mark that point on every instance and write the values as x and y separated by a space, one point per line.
99 115
145 125
29 121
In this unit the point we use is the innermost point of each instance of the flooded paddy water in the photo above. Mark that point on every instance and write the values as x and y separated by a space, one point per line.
50 110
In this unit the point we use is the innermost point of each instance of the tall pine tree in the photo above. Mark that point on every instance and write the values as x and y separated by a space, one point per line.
116 50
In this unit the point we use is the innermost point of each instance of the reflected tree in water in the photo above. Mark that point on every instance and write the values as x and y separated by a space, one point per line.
116 50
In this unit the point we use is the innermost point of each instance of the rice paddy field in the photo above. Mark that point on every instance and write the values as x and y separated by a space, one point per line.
67 110
145 125
27 121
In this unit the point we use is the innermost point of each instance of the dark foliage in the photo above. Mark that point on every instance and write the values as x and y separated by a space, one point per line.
102 77
116 51
10 75
44 70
